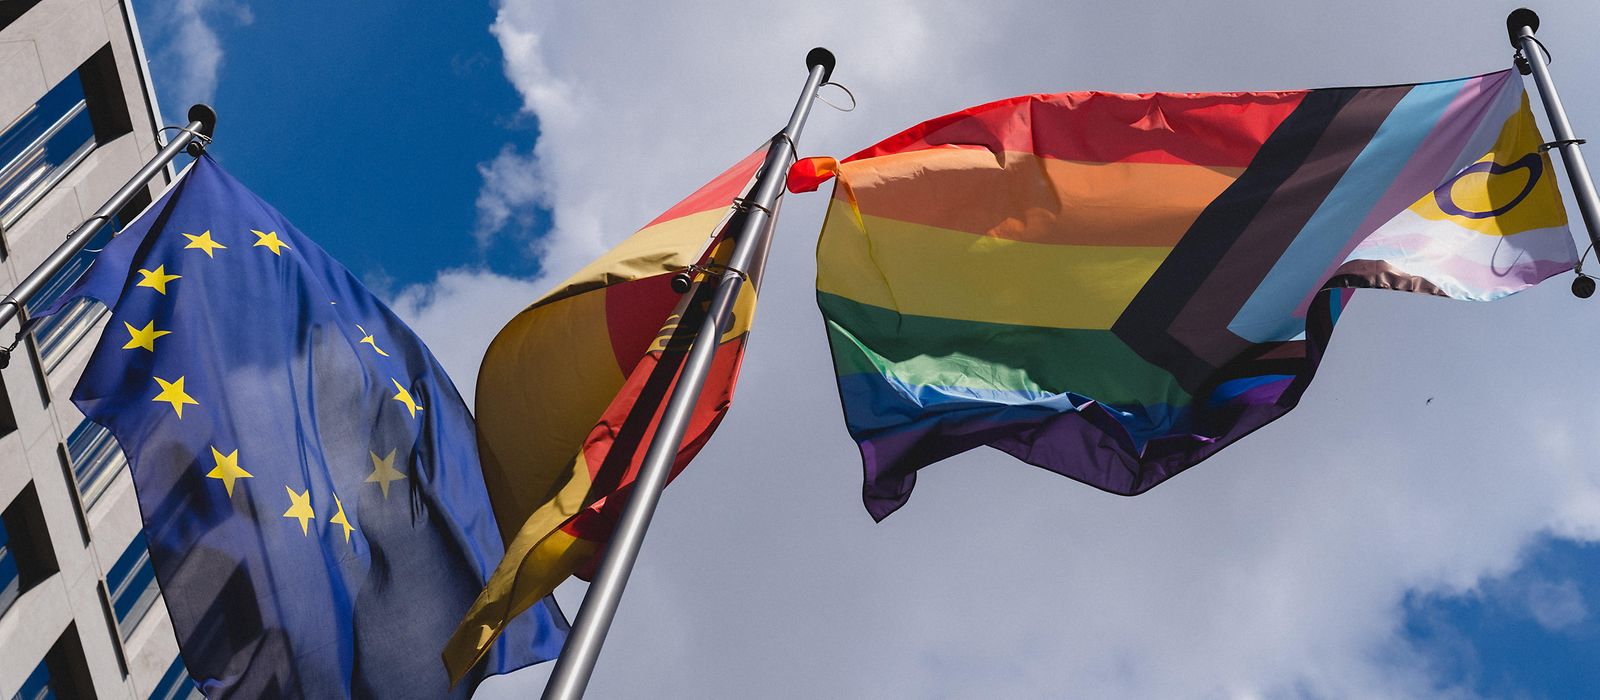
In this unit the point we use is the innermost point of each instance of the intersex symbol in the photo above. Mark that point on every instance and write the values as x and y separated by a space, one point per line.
1532 162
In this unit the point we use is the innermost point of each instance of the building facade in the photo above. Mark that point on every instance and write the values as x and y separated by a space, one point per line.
80 612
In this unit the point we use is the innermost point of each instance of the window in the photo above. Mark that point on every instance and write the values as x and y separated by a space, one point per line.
96 460
56 335
26 557
176 684
37 687
49 139
62 674
42 146
132 582
10 579
10 10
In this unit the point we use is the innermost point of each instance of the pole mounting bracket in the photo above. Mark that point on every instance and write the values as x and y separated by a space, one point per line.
684 279
1545 147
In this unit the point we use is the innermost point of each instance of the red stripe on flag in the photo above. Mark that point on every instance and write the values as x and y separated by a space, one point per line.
634 314
719 193
1099 127
616 447
807 174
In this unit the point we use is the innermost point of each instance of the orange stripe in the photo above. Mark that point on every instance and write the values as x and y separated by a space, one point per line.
1023 197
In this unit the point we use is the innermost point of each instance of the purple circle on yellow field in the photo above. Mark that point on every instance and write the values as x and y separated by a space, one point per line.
1532 162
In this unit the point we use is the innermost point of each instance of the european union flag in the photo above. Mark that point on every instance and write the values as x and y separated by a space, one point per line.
307 474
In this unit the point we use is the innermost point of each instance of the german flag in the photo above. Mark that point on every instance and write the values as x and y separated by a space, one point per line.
571 391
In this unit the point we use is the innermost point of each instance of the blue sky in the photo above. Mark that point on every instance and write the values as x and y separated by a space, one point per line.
1364 546
1529 634
366 122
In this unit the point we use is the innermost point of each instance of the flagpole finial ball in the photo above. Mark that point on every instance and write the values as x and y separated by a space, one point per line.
821 57
1583 286
207 117
1519 18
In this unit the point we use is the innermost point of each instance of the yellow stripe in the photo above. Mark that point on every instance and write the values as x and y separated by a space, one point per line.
1542 209
665 247
544 383
928 271
1026 197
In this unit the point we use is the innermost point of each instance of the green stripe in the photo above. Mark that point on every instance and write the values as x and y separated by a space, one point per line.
927 351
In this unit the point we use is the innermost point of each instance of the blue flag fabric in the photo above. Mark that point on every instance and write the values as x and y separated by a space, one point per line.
307 474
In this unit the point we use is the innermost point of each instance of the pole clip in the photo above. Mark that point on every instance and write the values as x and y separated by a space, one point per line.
682 281
744 204
1521 62
195 147
1545 147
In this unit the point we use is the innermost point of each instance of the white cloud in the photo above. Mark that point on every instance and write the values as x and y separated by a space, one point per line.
509 194
190 58
1556 605
1278 568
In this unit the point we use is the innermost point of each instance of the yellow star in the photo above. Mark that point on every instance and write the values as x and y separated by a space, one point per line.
143 337
203 242
367 338
172 392
157 280
228 470
270 240
383 472
405 398
339 519
300 508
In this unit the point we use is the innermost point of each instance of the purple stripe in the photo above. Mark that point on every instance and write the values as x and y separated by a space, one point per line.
1082 445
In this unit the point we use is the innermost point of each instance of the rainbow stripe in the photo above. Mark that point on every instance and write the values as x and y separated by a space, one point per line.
1114 287
571 390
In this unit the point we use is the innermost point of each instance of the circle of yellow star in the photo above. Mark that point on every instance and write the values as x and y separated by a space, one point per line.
143 337
270 240
405 398
172 392
339 519
157 280
300 508
227 469
367 338
203 242
383 472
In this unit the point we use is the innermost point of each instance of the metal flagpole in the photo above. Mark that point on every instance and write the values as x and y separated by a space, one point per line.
202 122
1532 58
576 663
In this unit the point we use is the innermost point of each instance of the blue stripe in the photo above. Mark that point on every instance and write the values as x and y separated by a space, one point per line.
1232 389
877 404
1268 315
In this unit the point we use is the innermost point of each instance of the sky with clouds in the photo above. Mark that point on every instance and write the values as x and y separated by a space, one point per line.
1426 524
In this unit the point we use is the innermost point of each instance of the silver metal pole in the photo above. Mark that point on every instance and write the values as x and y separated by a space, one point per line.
1521 24
202 122
573 668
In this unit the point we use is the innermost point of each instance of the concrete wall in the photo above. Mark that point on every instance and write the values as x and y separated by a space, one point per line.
36 52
